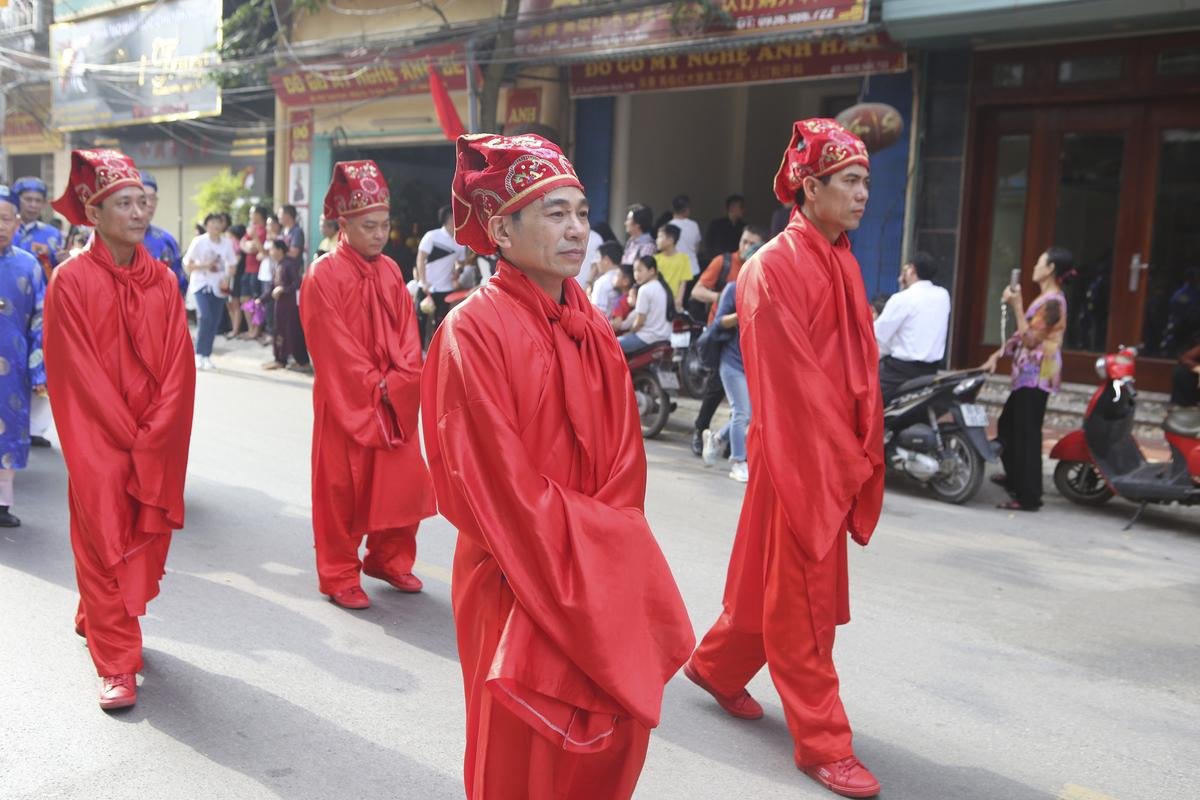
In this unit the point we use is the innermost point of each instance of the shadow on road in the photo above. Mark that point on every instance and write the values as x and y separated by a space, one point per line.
283 746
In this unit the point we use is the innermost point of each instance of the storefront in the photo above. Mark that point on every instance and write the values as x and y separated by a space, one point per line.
29 143
379 108
714 122
1093 146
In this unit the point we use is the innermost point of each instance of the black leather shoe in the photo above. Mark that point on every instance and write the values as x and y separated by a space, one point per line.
697 443
8 519
39 441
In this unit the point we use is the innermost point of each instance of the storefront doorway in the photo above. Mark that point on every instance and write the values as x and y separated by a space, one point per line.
419 180
1116 181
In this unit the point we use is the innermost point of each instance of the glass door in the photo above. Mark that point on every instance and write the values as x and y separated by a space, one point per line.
1163 285
1057 177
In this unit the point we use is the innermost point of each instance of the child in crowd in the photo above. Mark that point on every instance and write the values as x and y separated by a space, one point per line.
289 337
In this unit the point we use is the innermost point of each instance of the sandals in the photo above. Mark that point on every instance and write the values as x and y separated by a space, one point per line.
1013 505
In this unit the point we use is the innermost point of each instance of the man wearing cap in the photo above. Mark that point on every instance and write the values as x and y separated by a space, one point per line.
568 618
45 242
816 459
119 362
22 372
158 241
368 476
33 235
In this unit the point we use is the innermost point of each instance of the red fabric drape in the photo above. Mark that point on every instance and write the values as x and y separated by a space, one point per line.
805 305
120 367
361 331
535 447
447 114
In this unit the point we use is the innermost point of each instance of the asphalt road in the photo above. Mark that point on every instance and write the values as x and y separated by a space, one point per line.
991 655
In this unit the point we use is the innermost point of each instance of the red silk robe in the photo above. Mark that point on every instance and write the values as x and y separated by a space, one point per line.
815 451
119 362
367 471
569 621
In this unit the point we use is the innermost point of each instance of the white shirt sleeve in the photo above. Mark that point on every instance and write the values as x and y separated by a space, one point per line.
890 319
426 245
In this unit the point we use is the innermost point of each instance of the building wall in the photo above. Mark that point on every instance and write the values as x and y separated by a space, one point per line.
945 93
329 24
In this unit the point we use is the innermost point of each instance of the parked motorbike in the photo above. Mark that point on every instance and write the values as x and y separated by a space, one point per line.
654 384
935 433
685 331
1103 459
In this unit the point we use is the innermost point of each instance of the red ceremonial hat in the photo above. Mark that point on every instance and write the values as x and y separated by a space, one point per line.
500 175
357 187
819 147
95 174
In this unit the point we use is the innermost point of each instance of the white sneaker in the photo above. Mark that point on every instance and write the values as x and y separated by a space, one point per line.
740 471
711 444
207 364
199 361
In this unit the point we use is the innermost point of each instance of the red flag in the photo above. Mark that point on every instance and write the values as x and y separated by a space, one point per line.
447 114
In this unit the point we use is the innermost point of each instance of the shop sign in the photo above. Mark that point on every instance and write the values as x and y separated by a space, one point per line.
524 107
788 61
349 81
67 10
167 51
672 23
299 162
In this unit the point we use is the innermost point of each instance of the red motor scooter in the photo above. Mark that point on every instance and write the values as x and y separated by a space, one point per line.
654 384
1104 459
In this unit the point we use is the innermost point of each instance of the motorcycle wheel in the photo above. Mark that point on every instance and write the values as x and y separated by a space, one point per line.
961 484
653 404
1082 483
693 375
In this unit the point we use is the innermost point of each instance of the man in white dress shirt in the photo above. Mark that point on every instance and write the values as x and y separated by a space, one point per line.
911 329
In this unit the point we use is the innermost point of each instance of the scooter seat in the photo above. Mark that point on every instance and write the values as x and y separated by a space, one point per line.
914 384
1184 422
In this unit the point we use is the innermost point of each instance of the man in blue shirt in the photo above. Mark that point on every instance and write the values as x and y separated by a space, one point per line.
22 288
45 243
33 235
159 242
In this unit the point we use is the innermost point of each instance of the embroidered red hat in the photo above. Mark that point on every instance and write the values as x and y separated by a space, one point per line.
500 175
95 174
357 187
819 147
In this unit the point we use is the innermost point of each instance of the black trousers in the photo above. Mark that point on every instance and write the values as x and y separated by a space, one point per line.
429 323
893 372
1020 436
714 393
1184 388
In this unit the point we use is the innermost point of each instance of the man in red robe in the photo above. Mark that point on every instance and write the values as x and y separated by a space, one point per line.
119 362
816 459
569 621
368 477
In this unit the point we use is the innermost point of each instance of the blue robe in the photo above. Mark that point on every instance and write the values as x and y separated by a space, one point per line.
38 232
163 247
22 290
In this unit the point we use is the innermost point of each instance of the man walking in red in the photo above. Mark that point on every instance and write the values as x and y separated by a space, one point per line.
368 476
569 621
816 459
120 365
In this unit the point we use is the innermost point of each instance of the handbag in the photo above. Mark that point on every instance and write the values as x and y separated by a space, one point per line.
709 344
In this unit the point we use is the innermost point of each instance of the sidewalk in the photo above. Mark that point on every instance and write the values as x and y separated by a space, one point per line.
246 358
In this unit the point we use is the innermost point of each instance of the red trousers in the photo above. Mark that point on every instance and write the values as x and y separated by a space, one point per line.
505 758
512 762
338 566
112 598
781 610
